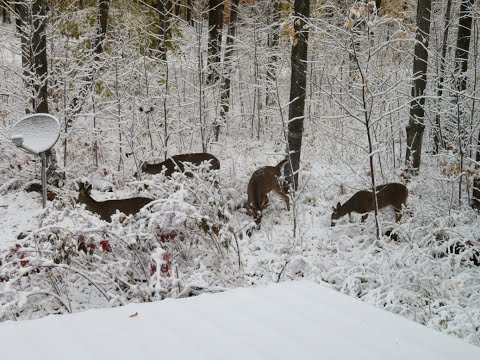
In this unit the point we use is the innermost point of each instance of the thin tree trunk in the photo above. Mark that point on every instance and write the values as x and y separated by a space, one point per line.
6 11
164 9
476 180
226 85
22 22
438 136
461 67
188 15
463 43
39 51
215 22
298 89
103 8
273 47
416 123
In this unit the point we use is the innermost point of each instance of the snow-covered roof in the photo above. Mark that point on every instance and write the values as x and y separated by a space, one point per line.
296 320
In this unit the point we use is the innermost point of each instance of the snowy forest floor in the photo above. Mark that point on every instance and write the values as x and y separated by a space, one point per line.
417 274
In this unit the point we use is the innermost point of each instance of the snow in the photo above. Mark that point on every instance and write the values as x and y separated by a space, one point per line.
293 320
70 255
18 213
36 133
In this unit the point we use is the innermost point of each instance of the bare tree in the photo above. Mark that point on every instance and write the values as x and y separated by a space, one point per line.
5 5
215 22
416 125
273 45
298 82
103 7
226 83
438 137
164 13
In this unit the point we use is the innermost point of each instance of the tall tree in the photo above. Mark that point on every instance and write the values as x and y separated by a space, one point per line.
39 52
226 84
298 82
5 4
461 66
416 122
22 21
215 23
273 38
438 137
164 13
463 43
102 16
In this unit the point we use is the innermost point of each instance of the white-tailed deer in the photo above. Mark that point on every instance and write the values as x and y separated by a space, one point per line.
109 207
263 181
361 202
176 163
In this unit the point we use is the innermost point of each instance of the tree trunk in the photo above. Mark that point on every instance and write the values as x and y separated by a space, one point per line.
298 82
461 67
226 85
273 47
476 180
163 7
215 22
39 51
463 43
416 121
438 137
5 11
188 14
102 24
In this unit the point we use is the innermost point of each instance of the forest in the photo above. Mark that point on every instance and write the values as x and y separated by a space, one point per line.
207 145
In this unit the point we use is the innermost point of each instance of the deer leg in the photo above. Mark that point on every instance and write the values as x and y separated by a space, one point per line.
398 214
278 189
265 201
364 217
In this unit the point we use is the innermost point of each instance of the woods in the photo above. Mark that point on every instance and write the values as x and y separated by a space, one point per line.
346 96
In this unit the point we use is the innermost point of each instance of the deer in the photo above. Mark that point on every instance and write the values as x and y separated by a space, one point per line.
176 163
261 182
393 194
109 207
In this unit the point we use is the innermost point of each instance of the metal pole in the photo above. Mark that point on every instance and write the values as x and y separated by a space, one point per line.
44 179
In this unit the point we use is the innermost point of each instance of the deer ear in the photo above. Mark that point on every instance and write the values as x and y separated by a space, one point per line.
338 205
333 208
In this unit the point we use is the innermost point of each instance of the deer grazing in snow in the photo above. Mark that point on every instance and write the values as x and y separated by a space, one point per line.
109 207
263 181
176 163
361 202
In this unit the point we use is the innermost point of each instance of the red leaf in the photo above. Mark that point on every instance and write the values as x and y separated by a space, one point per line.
105 246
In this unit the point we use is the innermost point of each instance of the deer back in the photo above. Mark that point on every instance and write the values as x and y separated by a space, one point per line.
105 209
176 163
393 194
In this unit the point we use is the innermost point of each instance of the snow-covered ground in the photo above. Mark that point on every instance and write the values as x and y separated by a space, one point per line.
293 320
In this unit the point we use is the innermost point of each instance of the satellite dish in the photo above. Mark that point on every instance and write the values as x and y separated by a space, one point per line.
36 133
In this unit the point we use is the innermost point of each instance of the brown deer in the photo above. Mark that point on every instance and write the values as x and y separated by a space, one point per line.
176 163
263 181
109 207
361 202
